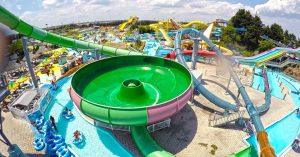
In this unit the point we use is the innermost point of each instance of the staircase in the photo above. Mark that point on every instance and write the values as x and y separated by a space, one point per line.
221 120
282 64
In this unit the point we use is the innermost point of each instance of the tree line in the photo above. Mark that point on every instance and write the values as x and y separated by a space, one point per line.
251 38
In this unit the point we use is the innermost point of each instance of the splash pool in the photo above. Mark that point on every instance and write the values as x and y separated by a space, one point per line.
281 133
98 141
258 83
151 47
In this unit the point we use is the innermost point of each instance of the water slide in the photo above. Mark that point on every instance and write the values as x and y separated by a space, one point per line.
159 27
208 30
266 56
26 29
202 53
283 63
130 21
265 107
207 33
262 136
145 142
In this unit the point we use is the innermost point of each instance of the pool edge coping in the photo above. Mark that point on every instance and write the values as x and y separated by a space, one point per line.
284 151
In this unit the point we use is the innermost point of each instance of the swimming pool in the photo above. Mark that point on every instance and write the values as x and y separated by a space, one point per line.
151 47
162 51
281 133
98 141
293 87
258 83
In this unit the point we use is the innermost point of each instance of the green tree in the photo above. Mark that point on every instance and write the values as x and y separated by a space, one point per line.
229 34
265 45
242 18
276 32
289 39
252 36
200 26
145 29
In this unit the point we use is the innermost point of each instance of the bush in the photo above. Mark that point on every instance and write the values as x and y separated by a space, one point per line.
247 53
265 45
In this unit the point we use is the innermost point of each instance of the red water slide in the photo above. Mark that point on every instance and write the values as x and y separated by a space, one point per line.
202 53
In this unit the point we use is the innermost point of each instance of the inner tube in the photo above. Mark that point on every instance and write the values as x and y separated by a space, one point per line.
67 116
39 144
77 141
54 147
58 139
63 152
39 121
37 140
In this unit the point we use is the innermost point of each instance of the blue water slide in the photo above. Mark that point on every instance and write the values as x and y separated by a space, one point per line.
254 114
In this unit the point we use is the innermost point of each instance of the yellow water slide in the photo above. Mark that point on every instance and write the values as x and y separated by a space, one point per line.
196 22
131 21
207 33
159 27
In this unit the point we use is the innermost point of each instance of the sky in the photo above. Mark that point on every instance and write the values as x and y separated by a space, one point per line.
57 12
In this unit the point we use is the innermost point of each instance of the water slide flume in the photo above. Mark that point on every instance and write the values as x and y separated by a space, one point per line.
110 90
113 93
263 57
131 21
202 53
162 26
262 136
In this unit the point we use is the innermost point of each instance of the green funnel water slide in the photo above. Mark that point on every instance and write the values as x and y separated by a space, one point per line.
246 152
145 143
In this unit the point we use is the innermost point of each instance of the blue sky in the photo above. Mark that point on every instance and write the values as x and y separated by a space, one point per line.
251 3
56 12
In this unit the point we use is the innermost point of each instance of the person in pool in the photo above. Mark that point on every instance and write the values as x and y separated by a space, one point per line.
52 121
68 111
76 134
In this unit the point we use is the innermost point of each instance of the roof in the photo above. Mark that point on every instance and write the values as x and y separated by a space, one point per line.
28 95
26 98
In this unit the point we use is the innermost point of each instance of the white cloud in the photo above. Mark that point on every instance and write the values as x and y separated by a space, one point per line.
19 7
54 3
56 12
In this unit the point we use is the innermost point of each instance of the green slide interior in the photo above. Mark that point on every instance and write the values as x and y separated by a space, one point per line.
247 152
147 146
131 81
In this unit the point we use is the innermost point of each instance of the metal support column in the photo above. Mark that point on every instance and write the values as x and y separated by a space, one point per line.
195 53
97 54
31 71
226 92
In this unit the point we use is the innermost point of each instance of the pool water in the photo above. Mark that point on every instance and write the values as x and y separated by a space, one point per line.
293 87
151 47
258 83
281 134
162 51
98 141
